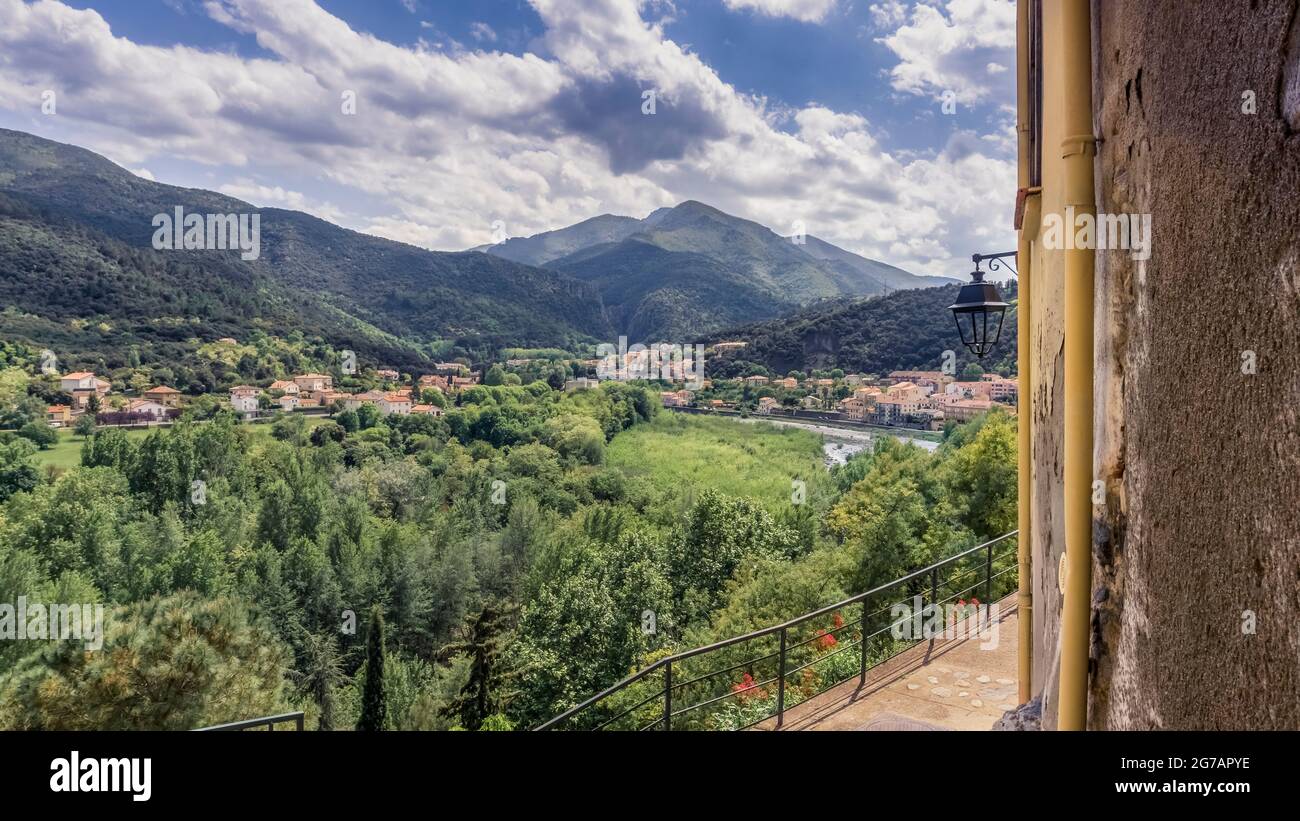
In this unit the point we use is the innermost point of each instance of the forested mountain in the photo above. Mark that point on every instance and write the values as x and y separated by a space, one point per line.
540 249
890 276
75 234
689 269
903 330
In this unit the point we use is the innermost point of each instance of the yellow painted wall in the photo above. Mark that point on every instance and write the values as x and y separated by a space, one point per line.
1047 338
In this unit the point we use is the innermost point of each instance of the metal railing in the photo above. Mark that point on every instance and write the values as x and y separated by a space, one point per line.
638 702
268 722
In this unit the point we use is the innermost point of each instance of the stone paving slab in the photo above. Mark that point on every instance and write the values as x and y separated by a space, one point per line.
953 684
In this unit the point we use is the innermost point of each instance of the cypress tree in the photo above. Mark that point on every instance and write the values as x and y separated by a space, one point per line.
374 707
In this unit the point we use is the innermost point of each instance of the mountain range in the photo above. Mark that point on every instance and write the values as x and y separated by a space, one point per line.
76 254
79 274
693 268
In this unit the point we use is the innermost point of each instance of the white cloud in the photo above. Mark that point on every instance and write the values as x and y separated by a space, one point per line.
888 15
808 11
482 31
274 196
956 45
446 142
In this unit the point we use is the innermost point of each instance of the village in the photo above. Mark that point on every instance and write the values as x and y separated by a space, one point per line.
309 392
924 400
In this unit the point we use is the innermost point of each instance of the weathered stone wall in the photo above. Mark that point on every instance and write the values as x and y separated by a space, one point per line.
1201 461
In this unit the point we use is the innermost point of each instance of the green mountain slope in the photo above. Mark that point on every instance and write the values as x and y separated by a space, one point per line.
540 249
902 330
654 294
891 277
75 230
693 269
716 269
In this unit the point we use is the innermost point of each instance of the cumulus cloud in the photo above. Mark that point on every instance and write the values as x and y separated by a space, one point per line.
808 11
888 14
446 142
961 46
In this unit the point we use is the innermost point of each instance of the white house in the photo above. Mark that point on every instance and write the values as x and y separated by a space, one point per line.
356 400
243 398
395 403
148 406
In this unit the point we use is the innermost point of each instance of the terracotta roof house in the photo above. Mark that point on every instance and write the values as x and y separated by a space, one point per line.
164 395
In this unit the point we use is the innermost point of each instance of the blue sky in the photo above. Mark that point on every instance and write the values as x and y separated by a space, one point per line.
528 112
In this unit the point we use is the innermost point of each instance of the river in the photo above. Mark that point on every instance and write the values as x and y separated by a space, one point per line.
838 444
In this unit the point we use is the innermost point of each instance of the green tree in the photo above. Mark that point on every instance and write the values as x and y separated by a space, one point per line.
319 674
374 707
482 694
85 425
367 416
17 471
39 434
168 663
719 535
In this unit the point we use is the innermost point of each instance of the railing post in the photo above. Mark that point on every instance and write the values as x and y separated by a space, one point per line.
780 684
934 587
299 721
668 696
988 574
862 644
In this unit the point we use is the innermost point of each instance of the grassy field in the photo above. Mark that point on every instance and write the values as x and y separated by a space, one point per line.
66 453
677 456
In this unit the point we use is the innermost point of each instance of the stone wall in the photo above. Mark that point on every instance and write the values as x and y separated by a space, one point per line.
1201 461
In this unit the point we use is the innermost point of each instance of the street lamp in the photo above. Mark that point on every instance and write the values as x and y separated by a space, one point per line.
979 308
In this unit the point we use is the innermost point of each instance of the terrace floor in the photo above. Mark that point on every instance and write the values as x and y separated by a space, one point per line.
942 684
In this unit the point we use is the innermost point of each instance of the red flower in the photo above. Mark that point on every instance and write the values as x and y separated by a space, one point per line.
825 641
746 689
837 620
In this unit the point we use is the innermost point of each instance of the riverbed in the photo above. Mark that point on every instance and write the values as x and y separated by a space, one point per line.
839 444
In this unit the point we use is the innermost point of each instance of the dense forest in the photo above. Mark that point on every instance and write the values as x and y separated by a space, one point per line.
902 330
481 570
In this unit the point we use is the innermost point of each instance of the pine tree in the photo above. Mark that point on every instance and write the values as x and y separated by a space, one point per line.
374 707
319 673
481 695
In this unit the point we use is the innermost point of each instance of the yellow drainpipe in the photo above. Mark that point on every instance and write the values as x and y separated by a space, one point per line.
1077 153
1024 368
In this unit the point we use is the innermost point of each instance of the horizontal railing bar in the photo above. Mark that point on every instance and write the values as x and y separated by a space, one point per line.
766 631
636 706
755 686
265 721
843 626
728 669
820 659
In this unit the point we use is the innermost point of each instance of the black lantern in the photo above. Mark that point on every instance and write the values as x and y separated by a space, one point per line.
979 309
